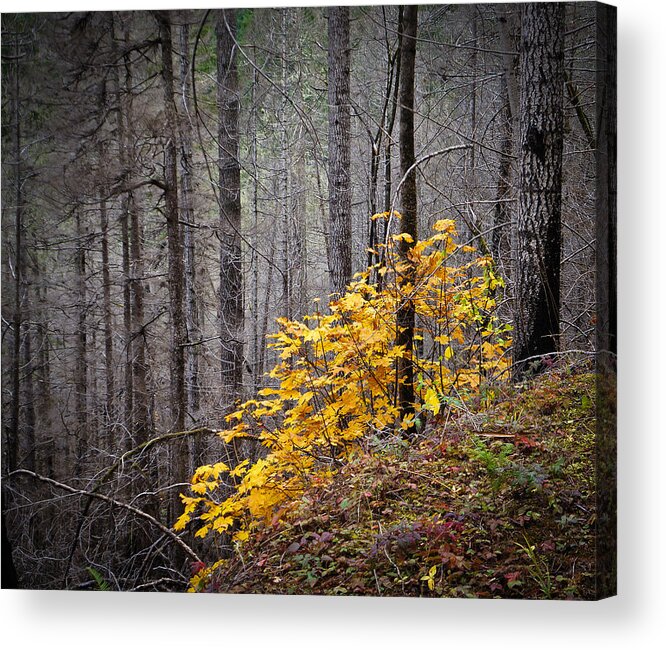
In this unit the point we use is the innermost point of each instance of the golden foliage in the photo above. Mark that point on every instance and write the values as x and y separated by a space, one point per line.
335 385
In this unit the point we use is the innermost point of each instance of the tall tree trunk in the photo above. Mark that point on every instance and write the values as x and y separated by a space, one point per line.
81 363
179 451
187 216
28 365
231 278
46 457
141 428
257 341
405 316
540 198
501 237
606 335
174 239
388 146
126 164
13 436
339 150
381 141
285 164
110 414
506 18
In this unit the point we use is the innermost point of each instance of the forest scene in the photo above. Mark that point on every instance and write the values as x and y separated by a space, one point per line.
313 300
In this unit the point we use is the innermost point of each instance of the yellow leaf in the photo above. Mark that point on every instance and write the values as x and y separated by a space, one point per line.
240 469
448 353
352 301
202 532
430 577
448 225
181 522
431 401
200 487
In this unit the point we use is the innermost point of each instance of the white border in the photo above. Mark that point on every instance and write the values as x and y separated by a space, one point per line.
99 620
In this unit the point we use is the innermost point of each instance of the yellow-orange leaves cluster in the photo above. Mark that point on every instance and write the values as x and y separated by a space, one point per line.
335 384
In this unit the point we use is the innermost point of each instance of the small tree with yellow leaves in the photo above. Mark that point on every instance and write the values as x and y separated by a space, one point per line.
336 383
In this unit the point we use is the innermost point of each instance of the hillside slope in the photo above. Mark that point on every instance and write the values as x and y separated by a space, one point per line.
493 499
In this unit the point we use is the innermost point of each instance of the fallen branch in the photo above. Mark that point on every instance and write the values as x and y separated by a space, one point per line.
94 495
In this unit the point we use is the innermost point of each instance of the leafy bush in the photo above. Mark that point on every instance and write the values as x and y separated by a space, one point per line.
335 386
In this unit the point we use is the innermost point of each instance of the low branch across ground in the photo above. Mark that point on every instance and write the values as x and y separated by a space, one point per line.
95 495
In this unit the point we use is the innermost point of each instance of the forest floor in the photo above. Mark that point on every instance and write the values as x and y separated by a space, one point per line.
495 499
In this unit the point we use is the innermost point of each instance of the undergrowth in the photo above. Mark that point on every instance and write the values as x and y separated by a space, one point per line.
493 497
496 503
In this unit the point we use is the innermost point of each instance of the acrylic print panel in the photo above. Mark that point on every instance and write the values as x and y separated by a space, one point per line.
310 301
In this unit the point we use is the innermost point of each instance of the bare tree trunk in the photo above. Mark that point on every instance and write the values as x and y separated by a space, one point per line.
606 335
285 161
110 410
81 364
501 237
187 216
126 164
506 17
257 341
174 239
231 278
141 429
179 465
381 141
13 435
264 318
28 365
388 147
299 232
339 148
46 457
405 316
539 234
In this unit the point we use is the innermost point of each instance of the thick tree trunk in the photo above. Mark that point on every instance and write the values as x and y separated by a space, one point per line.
339 148
540 198
231 277
405 317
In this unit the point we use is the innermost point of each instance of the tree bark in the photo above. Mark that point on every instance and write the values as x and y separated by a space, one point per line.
339 150
187 216
126 166
81 362
13 435
539 235
502 219
231 278
174 239
408 224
